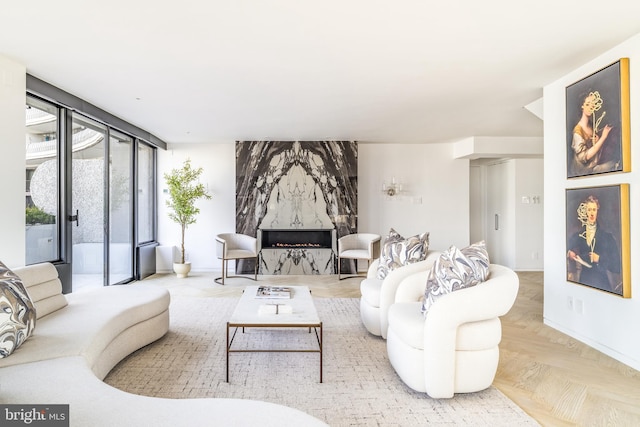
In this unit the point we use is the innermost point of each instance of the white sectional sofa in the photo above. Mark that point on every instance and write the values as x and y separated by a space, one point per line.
81 336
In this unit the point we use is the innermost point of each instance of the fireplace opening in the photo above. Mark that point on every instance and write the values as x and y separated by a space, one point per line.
302 239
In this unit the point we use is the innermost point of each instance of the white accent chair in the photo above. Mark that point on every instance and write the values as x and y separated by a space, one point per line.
358 246
454 348
378 295
235 246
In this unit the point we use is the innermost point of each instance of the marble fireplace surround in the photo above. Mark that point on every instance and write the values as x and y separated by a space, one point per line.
296 238
297 192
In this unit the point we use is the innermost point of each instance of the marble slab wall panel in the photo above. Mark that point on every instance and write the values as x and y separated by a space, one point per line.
295 185
297 261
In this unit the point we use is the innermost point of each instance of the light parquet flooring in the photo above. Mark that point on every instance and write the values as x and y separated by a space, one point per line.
556 379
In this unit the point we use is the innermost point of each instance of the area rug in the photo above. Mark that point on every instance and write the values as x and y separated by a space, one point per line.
360 387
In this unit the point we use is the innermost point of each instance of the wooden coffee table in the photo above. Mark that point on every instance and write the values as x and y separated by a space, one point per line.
303 315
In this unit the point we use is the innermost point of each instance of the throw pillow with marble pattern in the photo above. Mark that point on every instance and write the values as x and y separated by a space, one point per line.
17 312
456 269
398 251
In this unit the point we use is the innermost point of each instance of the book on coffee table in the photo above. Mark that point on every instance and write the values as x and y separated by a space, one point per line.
278 292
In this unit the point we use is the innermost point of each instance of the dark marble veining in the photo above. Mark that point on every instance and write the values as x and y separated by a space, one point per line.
296 185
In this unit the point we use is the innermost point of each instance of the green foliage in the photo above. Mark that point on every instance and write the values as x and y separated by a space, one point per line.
184 191
35 215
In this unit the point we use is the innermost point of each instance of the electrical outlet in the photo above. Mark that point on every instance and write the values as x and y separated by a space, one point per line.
570 303
579 306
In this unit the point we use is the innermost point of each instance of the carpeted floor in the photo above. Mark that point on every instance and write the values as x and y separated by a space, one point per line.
360 387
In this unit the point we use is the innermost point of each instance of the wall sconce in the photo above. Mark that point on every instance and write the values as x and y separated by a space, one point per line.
393 188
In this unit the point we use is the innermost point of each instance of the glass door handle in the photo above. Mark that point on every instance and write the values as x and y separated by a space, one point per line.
73 218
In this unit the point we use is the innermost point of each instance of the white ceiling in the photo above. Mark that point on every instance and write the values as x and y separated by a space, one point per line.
367 70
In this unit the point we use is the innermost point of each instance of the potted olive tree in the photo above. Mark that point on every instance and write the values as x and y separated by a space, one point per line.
184 190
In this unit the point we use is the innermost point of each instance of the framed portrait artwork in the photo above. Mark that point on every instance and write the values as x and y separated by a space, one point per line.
597 122
598 238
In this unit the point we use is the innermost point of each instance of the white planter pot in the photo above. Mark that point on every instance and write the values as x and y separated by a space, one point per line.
182 270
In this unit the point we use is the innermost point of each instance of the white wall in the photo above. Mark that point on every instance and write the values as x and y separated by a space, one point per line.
436 197
529 202
607 322
499 147
429 173
477 203
217 215
12 151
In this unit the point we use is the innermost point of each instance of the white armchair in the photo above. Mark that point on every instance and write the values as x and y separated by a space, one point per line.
454 348
358 246
378 295
235 246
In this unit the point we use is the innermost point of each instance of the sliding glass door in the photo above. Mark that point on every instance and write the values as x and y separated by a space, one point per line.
88 202
89 206
42 208
90 197
120 208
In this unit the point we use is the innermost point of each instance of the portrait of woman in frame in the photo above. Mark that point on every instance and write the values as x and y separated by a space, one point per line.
597 122
598 238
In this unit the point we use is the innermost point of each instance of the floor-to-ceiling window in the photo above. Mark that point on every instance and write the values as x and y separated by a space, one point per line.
90 185
120 207
88 202
42 208
146 191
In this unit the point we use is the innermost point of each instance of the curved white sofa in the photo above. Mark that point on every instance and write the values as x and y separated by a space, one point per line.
81 336
378 295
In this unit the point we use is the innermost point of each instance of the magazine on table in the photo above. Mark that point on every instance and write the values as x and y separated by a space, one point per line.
279 292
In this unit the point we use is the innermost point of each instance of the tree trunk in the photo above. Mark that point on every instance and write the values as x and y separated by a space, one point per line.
182 246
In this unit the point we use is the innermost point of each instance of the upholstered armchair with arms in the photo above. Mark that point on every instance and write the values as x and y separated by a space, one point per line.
379 294
358 246
454 348
232 246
